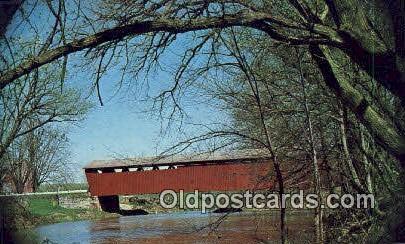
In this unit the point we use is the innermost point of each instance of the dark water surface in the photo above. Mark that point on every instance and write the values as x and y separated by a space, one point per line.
182 227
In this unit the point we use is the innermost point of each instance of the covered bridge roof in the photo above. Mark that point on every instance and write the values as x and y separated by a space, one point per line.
200 158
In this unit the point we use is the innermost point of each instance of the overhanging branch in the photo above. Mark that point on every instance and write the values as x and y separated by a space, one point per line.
174 26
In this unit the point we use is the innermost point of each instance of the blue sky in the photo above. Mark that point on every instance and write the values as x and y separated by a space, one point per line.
113 130
120 128
116 130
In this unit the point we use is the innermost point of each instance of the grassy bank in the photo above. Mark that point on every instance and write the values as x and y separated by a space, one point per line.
20 216
47 211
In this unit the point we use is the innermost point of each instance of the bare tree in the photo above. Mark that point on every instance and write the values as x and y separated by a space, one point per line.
26 106
49 157
38 157
315 164
34 102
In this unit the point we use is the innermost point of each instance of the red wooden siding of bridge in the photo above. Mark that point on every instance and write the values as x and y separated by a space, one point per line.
209 177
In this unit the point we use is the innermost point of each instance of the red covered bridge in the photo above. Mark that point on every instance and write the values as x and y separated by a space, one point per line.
241 170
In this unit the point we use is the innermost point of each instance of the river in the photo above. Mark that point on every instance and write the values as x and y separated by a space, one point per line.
182 227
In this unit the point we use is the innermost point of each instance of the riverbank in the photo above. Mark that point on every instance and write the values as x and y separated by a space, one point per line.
19 216
46 211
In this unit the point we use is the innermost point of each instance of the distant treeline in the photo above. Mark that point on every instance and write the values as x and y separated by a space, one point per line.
63 187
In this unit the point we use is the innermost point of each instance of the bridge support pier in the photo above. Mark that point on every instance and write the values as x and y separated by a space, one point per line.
109 204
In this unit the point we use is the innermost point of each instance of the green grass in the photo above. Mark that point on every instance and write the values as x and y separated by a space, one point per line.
44 211
44 207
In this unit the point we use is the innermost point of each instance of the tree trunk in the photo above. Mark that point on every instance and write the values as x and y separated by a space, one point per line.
317 179
386 135
367 165
280 182
34 182
368 168
348 159
279 176
19 187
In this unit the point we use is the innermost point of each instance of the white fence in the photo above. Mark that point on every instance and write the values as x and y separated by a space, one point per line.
44 193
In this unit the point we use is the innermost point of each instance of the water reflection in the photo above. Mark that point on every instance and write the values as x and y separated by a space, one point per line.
184 227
